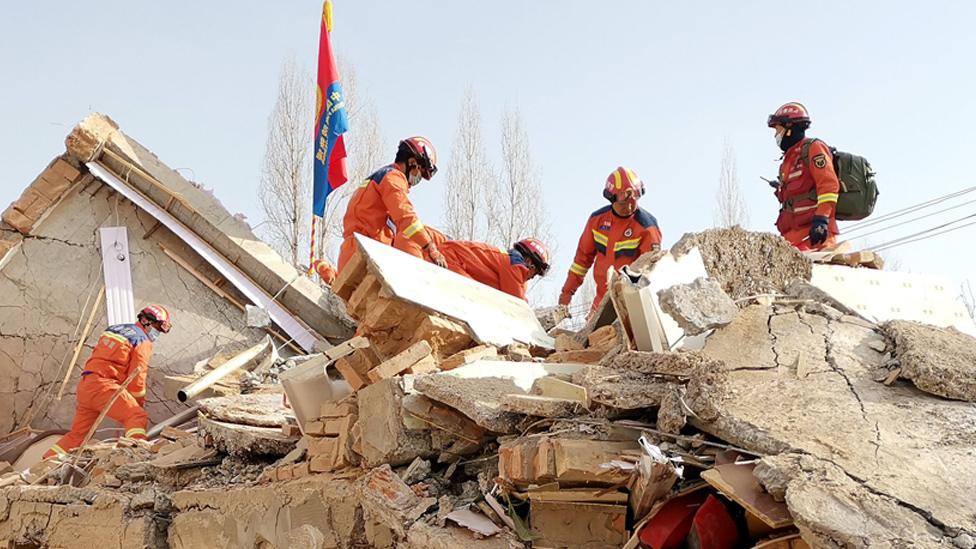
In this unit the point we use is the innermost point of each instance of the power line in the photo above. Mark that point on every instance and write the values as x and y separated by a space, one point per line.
931 235
902 223
912 237
906 210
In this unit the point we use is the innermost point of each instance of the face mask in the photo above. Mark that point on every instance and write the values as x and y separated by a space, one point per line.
779 139
153 333
414 180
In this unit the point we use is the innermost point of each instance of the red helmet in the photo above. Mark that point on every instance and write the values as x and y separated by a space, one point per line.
536 252
157 314
788 115
425 154
620 181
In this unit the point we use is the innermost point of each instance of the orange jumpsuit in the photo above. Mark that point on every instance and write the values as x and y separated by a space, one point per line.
410 245
807 189
120 350
612 241
379 209
506 271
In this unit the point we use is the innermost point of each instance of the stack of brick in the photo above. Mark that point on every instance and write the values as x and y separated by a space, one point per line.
328 445
404 338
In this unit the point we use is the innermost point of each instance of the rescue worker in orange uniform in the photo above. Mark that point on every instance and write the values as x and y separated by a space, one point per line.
807 188
121 350
614 236
380 208
508 271
325 270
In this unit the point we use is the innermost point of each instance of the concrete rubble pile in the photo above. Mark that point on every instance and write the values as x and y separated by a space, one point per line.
731 405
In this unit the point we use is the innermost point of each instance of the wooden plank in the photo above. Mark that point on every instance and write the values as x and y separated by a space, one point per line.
736 481
570 524
351 275
579 495
579 461
554 387
468 356
397 364
81 340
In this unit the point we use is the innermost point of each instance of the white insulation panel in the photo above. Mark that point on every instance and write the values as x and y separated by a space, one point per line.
116 266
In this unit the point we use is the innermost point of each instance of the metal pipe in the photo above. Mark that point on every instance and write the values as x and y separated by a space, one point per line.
218 373
178 419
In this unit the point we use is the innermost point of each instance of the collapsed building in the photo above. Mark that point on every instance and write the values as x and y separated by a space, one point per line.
730 392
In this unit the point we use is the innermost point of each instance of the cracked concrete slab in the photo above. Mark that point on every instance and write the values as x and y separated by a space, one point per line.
941 361
802 382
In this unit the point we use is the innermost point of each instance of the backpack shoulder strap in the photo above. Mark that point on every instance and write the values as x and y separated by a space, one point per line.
805 149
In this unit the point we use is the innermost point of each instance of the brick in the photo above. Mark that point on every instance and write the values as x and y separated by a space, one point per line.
51 185
355 380
390 313
322 464
363 298
403 360
323 446
65 170
18 220
290 430
603 338
426 365
337 427
338 409
300 469
585 356
468 356
315 428
283 472
445 336
349 278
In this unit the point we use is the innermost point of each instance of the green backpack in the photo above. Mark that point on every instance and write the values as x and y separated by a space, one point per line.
858 190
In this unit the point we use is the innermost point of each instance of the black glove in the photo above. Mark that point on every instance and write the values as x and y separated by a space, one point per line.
818 230
773 183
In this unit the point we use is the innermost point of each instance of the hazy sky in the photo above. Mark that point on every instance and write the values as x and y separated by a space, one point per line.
655 86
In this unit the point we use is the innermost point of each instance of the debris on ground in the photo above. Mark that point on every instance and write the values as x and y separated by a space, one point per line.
454 416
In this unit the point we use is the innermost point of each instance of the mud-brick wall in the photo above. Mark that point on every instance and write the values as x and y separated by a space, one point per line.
44 283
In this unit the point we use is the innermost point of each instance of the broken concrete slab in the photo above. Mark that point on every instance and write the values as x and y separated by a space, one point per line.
622 389
268 515
833 510
699 306
941 361
427 536
678 364
385 438
746 263
245 440
837 412
259 410
477 389
541 406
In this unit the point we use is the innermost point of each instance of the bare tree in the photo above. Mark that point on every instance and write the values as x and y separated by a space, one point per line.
968 298
468 175
515 205
730 207
285 187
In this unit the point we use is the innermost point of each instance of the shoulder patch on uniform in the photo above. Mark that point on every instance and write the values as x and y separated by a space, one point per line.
379 174
820 161
645 219
131 332
601 211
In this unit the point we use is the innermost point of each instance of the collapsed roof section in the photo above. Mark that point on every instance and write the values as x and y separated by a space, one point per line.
97 147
